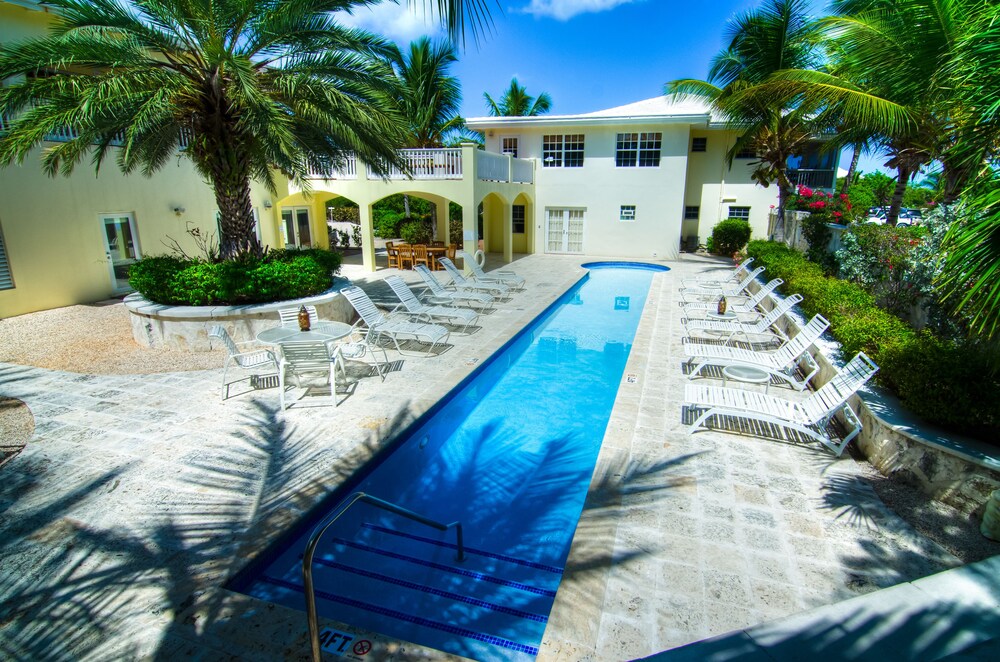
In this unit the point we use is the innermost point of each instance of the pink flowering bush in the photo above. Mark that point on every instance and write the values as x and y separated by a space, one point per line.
833 207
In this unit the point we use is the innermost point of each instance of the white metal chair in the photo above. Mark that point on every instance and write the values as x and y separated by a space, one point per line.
290 316
357 349
503 276
735 275
252 360
498 290
809 417
412 306
726 290
743 307
781 363
310 357
381 324
765 326
456 296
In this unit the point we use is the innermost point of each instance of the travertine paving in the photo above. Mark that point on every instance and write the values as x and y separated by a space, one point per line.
140 495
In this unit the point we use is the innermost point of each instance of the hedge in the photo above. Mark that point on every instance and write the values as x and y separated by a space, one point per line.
278 276
942 381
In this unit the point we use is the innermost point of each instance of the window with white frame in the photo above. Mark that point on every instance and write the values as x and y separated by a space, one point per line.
699 144
627 213
562 151
739 212
638 149
6 278
517 219
691 212
508 145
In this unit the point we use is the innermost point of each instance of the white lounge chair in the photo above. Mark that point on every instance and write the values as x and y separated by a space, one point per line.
455 296
734 276
290 316
503 276
726 290
742 306
464 317
380 324
252 361
781 363
735 329
809 417
302 358
357 348
494 289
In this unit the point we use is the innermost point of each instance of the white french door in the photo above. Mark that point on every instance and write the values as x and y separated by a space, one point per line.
295 227
564 230
121 247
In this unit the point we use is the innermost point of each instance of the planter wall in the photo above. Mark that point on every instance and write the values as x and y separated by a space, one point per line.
186 327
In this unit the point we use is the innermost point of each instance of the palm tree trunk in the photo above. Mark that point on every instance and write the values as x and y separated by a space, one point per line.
231 181
897 195
406 206
845 187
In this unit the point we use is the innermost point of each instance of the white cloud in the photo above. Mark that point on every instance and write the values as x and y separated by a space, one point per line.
563 10
400 23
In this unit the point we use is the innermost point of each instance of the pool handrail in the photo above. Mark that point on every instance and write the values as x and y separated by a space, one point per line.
326 523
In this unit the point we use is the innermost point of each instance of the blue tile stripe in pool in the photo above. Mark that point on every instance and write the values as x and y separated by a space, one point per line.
520 613
468 550
409 618
478 576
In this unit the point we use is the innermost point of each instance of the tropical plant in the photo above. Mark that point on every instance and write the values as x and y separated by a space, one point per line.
516 102
762 41
429 97
730 235
240 87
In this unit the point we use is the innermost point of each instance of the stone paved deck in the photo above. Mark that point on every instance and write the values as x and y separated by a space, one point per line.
139 496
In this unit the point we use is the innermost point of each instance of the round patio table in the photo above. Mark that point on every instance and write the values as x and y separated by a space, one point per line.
747 374
322 332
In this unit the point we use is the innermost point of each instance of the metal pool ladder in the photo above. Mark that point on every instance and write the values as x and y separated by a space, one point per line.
326 523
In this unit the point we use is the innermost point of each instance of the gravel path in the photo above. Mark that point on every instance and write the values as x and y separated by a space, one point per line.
91 339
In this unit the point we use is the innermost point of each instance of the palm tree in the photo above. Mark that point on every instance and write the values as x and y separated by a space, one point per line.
516 102
241 87
429 97
774 37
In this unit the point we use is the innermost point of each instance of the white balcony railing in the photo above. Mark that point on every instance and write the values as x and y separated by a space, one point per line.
492 167
68 133
522 172
347 170
443 163
813 178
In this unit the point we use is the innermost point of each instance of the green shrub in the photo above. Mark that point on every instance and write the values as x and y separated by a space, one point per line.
730 235
386 223
279 275
945 382
415 232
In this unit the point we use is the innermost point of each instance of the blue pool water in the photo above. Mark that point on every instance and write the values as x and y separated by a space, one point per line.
510 456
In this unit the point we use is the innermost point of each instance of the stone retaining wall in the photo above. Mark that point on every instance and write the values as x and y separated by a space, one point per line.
187 327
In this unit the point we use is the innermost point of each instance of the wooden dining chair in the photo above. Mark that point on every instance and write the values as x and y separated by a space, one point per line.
420 255
449 253
405 257
392 254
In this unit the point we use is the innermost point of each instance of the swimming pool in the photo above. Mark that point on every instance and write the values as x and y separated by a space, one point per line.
510 455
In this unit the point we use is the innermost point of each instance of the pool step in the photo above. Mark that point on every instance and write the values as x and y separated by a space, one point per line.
495 602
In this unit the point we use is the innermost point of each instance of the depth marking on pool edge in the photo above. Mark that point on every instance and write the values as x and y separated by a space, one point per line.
417 620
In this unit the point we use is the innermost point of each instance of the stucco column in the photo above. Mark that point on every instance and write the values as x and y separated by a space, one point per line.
508 232
441 214
367 236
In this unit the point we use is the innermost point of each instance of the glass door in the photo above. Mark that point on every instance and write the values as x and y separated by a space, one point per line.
564 230
295 227
121 247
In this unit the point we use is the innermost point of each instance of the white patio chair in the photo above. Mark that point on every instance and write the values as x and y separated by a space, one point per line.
411 305
741 306
290 316
726 290
380 324
809 417
498 290
782 363
310 357
765 326
734 276
456 296
503 276
357 349
252 360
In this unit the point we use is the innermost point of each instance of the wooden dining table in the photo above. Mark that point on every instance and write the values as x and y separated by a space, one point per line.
433 253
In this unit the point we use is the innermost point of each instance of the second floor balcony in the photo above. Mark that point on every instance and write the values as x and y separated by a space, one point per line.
814 178
442 164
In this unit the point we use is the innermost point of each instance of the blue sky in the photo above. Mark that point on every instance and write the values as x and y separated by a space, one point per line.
587 54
